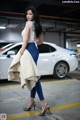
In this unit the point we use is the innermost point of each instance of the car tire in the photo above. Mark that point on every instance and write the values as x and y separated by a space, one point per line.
61 70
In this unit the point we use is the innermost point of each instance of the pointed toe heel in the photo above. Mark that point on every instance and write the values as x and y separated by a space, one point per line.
46 109
33 105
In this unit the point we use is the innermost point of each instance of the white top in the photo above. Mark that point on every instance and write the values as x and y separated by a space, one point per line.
32 32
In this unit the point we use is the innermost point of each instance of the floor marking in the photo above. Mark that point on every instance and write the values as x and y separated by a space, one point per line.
52 82
60 81
27 114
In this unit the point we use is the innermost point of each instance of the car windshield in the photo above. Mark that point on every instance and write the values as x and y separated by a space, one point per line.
15 49
6 46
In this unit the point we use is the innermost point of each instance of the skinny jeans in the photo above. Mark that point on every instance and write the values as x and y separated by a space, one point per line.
33 50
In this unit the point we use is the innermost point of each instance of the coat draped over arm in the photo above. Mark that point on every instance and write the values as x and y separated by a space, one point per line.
24 70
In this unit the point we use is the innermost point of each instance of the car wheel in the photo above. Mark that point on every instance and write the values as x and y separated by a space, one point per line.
61 70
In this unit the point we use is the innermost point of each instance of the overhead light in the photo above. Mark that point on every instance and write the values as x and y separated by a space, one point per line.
2 27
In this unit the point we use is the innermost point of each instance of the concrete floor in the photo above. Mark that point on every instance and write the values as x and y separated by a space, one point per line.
63 96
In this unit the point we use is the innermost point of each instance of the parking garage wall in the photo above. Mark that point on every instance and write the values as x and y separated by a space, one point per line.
55 37
14 35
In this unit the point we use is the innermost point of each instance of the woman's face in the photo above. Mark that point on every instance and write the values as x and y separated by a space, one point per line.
29 15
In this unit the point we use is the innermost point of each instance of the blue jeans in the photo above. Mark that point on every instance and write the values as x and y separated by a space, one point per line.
33 50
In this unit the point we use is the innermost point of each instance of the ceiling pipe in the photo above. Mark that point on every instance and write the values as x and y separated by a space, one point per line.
60 18
21 15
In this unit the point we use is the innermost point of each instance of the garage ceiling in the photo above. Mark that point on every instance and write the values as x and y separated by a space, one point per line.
59 11
55 9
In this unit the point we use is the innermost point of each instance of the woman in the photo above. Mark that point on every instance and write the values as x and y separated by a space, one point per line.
31 38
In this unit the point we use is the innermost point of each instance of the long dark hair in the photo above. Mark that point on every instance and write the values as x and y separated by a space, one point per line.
36 19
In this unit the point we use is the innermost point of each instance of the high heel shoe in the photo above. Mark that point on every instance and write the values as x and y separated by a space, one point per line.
29 108
46 108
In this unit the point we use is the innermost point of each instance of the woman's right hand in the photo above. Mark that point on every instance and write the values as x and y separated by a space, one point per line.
21 51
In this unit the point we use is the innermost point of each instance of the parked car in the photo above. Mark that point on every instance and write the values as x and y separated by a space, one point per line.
53 60
3 43
6 46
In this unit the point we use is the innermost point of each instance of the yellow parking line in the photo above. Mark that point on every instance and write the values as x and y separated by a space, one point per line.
52 82
26 114
9 86
65 106
60 81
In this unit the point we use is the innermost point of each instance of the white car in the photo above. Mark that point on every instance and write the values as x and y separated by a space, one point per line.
5 47
53 60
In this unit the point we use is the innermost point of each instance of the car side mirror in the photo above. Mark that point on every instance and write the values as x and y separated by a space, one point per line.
9 53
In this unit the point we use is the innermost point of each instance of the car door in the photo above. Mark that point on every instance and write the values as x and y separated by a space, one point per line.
45 62
4 65
5 62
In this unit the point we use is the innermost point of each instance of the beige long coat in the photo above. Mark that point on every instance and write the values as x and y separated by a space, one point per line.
24 69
